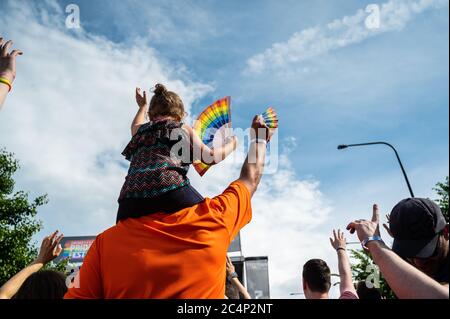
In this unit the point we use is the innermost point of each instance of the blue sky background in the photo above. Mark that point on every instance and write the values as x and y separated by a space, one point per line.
391 87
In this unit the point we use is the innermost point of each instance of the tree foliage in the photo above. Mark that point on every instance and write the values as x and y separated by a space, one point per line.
365 269
18 221
442 191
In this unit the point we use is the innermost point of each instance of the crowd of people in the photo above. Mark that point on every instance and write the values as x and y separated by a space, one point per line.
171 242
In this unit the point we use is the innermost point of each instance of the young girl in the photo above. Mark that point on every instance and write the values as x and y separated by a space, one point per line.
156 180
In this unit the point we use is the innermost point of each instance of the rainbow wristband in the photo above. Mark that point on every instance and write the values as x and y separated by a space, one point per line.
6 81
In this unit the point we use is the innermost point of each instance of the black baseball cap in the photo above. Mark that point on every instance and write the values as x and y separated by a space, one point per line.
415 224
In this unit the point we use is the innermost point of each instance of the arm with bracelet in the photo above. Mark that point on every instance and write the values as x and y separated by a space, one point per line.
252 170
7 69
234 279
339 243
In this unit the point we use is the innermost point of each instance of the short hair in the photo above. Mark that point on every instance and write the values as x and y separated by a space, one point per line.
45 284
317 275
365 292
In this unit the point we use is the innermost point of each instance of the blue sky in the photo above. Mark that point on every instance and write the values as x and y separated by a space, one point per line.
392 87
389 86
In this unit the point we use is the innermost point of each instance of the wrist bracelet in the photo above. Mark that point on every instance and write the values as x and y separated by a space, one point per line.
369 239
233 275
341 248
7 82
258 140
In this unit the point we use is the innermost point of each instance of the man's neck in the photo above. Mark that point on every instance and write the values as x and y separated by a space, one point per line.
319 295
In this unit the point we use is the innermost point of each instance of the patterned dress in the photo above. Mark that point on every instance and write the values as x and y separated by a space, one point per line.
154 167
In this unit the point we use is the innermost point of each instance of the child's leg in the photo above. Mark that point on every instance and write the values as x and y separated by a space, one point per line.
170 202
186 196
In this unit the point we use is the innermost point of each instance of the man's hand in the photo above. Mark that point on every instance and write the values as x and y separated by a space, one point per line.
339 240
141 99
366 228
260 130
50 248
8 60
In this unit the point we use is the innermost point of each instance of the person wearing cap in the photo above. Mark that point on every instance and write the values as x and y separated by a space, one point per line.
420 234
406 281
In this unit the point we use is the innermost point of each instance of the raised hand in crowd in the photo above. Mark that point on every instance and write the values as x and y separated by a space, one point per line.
339 243
7 68
234 279
50 249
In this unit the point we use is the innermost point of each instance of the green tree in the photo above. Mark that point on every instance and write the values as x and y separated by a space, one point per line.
364 267
17 221
442 191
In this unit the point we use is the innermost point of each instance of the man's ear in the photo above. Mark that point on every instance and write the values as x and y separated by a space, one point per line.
446 236
305 286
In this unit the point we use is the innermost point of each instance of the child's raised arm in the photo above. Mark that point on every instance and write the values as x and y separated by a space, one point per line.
139 119
210 156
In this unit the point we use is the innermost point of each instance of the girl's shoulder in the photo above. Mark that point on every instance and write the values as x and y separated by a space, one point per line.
144 127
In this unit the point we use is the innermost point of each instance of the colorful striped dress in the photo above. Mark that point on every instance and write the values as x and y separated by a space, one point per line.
154 168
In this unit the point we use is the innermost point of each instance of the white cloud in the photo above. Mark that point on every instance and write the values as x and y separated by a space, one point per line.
312 42
69 114
68 119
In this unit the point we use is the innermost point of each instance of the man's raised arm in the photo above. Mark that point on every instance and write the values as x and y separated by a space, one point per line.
253 167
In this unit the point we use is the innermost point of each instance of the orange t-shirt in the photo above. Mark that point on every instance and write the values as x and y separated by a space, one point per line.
180 255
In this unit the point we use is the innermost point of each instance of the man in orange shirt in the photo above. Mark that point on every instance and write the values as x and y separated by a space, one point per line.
179 255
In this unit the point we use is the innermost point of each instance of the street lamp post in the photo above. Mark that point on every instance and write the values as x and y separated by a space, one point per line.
344 146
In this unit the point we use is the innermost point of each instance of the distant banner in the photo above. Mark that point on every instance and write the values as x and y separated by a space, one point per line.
75 248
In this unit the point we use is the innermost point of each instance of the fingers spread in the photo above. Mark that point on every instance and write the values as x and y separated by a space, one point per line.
5 49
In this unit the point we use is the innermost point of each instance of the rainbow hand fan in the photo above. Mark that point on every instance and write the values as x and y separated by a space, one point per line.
270 118
215 119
